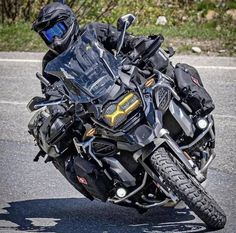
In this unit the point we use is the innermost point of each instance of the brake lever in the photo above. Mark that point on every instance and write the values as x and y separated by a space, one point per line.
50 103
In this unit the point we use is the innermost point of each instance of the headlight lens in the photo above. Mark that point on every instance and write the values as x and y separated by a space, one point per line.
116 113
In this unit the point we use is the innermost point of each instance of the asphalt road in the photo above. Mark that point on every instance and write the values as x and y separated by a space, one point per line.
34 197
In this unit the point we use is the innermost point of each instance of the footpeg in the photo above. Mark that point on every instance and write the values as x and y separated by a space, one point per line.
40 154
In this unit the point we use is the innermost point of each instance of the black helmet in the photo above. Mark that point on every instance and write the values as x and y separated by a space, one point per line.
57 25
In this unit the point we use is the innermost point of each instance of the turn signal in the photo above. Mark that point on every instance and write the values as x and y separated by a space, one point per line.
90 133
150 82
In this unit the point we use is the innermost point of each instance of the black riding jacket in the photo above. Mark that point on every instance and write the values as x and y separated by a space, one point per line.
106 34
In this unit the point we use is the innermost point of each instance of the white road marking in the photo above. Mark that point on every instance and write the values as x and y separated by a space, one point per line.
40 61
20 60
139 225
224 116
13 102
216 67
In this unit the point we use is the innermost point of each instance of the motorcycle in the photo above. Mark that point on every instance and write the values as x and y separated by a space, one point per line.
120 134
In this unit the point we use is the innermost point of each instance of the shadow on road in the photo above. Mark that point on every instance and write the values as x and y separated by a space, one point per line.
81 215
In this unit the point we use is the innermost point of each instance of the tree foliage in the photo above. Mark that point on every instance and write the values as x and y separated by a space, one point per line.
27 10
110 10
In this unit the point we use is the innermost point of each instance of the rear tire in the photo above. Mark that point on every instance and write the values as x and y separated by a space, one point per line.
194 197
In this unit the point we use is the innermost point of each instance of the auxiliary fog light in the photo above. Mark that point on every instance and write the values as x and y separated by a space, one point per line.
121 192
202 123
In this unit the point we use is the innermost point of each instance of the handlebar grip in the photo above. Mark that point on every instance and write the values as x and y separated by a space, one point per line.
43 80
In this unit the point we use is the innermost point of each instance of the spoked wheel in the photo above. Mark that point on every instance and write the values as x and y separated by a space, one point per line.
204 206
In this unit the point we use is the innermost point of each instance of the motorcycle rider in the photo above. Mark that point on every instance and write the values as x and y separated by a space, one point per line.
58 27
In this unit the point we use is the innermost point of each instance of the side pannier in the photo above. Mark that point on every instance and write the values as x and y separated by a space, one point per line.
192 91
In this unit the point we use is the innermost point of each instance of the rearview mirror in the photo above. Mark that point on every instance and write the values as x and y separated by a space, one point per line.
125 20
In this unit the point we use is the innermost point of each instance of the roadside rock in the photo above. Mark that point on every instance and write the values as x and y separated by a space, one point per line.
232 13
211 15
185 18
196 50
161 20
222 51
218 28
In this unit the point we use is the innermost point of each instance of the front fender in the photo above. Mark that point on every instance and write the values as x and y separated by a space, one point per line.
170 145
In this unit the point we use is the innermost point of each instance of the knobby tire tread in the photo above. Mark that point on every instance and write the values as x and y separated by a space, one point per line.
198 201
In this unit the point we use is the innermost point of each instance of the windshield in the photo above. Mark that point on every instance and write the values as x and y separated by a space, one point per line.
87 69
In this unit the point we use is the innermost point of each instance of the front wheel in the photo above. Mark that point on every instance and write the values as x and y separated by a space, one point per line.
197 200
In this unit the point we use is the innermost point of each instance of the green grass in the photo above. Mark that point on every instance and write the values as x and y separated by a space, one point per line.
203 32
20 37
224 39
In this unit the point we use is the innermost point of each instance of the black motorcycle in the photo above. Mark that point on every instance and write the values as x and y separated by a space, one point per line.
124 133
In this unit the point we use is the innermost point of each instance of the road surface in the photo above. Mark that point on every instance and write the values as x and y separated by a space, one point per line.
34 197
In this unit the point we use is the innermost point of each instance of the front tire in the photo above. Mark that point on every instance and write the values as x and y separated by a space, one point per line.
197 200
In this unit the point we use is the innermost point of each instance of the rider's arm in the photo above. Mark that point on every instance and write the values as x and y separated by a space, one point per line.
108 35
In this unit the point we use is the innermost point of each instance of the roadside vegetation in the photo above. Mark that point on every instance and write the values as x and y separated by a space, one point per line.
207 24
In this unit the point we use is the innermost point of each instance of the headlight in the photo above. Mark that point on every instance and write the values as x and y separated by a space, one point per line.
116 113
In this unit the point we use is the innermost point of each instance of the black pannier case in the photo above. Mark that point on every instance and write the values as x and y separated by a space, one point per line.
93 180
192 91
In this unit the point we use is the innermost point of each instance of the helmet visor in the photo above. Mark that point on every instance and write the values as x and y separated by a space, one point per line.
57 30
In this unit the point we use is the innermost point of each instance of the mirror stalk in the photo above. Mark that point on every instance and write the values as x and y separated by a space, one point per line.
123 24
121 39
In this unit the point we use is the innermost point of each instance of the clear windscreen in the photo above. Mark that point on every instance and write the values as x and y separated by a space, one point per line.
87 69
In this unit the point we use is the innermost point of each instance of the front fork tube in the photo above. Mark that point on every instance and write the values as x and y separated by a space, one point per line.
158 181
211 152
